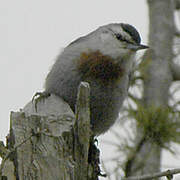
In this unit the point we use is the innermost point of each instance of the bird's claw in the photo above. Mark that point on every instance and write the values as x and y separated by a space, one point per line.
38 97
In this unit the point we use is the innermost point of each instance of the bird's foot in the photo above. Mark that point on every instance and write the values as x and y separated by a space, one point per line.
38 97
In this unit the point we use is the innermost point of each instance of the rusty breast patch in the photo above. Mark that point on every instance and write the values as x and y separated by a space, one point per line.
99 66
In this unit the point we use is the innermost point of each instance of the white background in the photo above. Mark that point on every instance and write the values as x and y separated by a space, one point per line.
33 32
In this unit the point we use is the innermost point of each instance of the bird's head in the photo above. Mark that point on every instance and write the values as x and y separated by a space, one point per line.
115 40
118 39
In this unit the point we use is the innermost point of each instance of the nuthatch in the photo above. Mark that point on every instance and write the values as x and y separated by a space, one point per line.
104 59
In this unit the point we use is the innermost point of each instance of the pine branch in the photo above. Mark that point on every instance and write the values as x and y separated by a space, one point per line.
169 174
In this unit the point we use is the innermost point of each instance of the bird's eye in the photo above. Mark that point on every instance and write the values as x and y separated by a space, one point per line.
120 38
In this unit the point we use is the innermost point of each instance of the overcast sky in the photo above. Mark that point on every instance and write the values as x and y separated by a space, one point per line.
33 32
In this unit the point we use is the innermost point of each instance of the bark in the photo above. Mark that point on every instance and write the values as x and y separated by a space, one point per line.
50 142
157 78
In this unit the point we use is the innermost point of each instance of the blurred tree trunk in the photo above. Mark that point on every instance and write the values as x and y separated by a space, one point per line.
157 78
177 4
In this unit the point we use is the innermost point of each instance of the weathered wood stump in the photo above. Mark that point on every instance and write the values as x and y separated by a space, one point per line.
48 141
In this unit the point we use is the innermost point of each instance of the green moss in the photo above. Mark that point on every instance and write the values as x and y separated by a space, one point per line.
159 124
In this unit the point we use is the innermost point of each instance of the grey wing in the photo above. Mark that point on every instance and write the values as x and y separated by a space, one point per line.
63 80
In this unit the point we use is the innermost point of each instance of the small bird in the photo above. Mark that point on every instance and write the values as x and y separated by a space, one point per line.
104 59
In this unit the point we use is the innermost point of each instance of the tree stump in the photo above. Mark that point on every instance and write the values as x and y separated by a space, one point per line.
48 141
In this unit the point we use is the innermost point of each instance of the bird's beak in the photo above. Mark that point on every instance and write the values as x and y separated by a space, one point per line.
136 47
